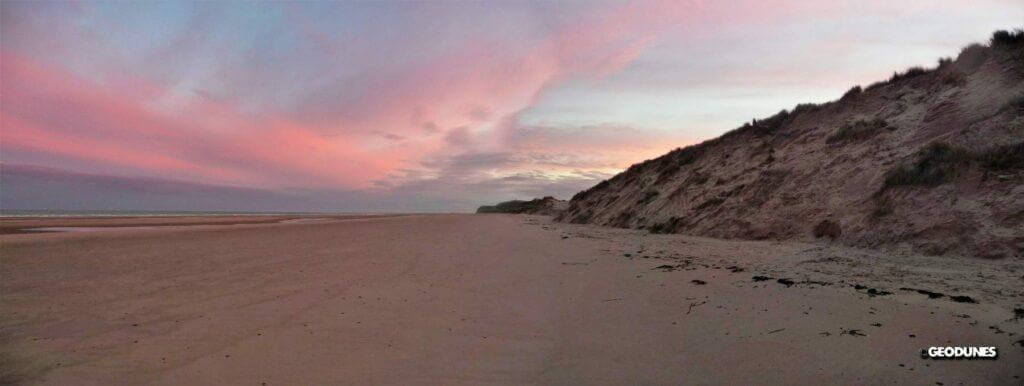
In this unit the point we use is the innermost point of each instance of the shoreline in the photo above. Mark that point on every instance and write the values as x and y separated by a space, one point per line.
28 225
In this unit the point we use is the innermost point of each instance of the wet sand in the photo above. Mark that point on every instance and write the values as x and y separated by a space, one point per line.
471 299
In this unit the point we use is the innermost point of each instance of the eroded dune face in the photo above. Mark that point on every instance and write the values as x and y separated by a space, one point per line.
931 160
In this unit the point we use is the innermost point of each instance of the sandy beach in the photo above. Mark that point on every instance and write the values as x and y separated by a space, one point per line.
489 299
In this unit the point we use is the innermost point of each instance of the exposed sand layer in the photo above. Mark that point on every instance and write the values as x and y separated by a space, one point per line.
470 299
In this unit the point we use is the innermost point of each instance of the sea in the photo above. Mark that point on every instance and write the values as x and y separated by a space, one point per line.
155 213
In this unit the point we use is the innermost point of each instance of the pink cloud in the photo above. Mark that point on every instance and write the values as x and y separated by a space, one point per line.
398 121
124 119
49 110
22 134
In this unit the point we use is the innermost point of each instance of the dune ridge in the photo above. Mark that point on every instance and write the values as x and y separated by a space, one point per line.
930 161
543 206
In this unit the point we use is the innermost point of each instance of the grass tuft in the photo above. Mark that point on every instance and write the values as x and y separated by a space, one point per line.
858 131
1004 38
939 163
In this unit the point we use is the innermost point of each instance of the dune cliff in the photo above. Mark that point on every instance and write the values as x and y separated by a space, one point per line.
931 160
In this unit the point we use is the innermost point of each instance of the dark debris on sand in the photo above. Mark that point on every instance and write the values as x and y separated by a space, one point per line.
930 294
815 282
667 268
872 292
963 299
877 292
936 295
853 332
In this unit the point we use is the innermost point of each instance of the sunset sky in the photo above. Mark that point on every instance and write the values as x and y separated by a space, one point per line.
426 106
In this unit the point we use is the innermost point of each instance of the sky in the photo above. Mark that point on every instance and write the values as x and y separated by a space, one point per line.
433 106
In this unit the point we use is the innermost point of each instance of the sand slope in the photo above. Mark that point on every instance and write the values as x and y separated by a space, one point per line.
480 299
835 169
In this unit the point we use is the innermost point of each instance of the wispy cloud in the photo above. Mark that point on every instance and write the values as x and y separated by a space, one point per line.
437 105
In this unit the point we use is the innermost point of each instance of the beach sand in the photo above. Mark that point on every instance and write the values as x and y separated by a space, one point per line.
482 299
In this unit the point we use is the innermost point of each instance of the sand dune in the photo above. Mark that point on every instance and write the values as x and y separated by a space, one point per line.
929 161
470 299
